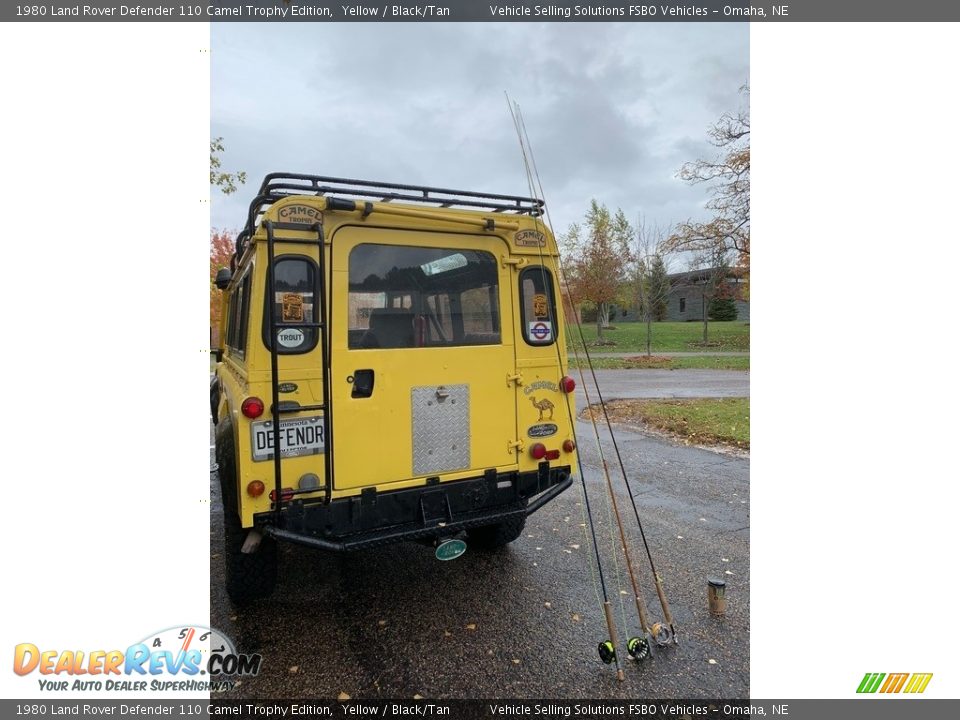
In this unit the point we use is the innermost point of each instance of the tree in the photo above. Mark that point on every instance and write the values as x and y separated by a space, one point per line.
599 256
226 181
221 252
651 288
715 264
728 178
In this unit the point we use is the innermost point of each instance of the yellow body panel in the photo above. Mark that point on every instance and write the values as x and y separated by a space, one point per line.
513 386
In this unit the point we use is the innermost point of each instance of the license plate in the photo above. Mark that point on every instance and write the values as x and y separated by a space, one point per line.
298 436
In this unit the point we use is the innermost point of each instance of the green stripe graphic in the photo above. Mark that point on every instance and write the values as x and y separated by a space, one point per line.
870 682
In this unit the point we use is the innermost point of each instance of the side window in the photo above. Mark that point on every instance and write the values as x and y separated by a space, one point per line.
406 297
294 301
539 316
239 316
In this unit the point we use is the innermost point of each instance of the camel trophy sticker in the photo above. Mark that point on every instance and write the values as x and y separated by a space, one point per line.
542 406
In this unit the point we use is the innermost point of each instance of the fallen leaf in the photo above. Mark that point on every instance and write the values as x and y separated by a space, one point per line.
575 547
418 696
539 548
547 605
447 633
679 537
724 559
515 661
575 617
727 572
471 627
343 696
568 552
712 661
294 668
381 623
489 652
233 617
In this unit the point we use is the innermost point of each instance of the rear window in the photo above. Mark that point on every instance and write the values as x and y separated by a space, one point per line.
294 301
405 297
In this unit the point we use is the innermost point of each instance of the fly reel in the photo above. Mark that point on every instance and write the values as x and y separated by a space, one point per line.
607 652
661 634
639 648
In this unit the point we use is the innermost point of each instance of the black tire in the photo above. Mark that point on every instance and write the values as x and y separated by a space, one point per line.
214 398
250 576
491 537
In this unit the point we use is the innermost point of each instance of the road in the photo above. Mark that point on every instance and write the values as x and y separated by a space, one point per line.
522 622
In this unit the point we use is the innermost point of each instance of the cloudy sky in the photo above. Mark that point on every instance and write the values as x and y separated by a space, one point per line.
612 110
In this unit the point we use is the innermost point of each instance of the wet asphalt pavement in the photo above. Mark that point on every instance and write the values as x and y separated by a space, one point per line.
524 621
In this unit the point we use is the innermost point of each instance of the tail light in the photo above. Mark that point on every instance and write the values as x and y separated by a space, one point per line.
252 407
567 384
569 446
255 488
286 495
538 451
553 454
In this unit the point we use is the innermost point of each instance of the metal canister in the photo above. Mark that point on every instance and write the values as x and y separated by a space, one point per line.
716 596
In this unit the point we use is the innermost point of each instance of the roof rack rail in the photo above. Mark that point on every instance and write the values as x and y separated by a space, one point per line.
276 186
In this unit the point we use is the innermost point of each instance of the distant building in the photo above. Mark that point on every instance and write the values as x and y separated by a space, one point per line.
687 302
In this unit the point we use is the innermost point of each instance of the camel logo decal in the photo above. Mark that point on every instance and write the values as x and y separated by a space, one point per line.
542 406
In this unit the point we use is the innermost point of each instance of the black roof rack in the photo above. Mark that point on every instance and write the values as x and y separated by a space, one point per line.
279 185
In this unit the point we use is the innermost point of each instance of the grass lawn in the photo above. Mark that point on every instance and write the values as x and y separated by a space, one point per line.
696 362
704 421
668 337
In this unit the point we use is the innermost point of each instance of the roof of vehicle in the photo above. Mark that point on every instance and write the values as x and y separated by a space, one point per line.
279 185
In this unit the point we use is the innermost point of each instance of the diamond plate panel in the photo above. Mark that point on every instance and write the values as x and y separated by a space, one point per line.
441 428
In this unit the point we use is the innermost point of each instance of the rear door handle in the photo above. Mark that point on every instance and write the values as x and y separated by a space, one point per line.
362 383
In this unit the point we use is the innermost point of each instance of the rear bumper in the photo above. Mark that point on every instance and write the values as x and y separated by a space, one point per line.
372 519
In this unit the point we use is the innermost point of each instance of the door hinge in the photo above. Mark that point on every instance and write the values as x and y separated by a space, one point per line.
514 446
518 379
517 262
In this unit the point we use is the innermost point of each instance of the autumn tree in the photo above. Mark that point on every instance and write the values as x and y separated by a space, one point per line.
226 181
651 288
727 177
221 251
599 257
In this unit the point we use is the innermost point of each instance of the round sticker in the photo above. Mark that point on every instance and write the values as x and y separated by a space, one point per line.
290 337
540 331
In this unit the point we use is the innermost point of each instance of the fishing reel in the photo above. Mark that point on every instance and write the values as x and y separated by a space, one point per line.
607 652
662 635
639 648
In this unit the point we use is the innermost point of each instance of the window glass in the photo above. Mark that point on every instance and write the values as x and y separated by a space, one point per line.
539 321
294 296
402 297
239 313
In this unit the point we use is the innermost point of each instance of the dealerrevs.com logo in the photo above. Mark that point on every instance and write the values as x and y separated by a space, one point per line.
183 659
912 683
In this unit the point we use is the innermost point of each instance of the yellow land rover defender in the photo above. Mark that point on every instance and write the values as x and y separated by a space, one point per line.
391 367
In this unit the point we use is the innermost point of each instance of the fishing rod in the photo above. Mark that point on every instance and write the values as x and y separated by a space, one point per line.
606 648
659 633
637 647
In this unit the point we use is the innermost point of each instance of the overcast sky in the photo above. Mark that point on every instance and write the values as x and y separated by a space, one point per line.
612 110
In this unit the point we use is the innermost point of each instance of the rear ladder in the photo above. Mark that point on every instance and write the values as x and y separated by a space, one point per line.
321 326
